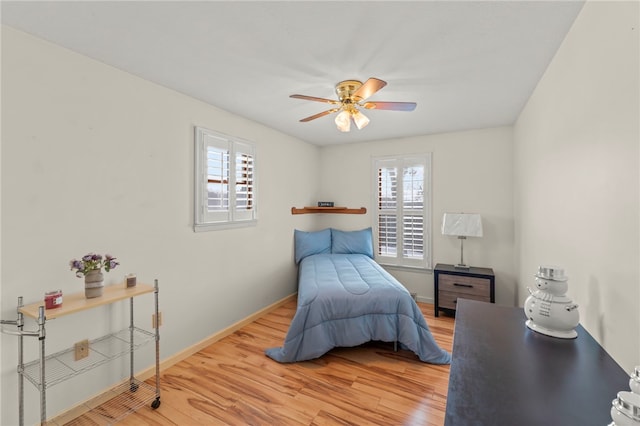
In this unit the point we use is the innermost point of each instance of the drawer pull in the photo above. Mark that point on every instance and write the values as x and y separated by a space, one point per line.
463 285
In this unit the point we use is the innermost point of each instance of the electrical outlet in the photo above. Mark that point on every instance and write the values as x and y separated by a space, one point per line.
81 350
153 320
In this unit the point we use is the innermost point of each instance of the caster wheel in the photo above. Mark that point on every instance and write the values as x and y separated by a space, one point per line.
134 387
156 403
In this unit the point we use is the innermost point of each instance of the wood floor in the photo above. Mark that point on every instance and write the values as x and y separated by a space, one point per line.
232 382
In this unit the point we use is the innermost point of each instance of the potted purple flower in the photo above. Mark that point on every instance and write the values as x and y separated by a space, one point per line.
90 266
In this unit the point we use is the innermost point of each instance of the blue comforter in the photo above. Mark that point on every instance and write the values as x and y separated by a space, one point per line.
346 300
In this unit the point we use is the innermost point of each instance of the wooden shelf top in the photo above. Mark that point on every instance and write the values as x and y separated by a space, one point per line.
340 210
77 302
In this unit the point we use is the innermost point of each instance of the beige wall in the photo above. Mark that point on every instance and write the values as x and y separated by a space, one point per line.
576 172
471 172
95 159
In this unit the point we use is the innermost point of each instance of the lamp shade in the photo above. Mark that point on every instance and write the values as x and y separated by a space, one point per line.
462 224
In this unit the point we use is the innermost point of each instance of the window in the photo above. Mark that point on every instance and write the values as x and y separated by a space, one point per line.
402 232
224 181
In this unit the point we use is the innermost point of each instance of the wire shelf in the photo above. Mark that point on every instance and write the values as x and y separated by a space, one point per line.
61 366
116 404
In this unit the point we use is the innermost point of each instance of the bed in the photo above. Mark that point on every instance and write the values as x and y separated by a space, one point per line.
346 299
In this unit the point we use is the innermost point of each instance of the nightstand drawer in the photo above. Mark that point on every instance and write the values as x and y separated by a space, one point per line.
471 286
449 299
452 283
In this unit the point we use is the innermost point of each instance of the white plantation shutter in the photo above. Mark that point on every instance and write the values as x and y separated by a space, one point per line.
244 182
216 209
217 178
402 206
387 200
224 181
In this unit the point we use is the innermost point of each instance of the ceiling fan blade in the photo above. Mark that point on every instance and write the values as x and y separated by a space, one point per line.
391 106
313 98
321 114
369 87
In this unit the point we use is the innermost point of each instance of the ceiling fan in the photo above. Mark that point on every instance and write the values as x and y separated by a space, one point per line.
352 95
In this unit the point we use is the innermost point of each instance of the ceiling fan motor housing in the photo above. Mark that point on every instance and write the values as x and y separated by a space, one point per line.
346 89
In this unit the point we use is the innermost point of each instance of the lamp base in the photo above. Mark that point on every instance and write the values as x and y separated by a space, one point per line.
461 266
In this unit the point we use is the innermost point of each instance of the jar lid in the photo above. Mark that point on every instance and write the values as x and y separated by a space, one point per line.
54 292
628 403
551 273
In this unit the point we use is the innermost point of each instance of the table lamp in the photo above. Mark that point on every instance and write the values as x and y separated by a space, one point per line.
462 225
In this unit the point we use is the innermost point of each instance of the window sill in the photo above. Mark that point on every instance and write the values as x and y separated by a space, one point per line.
206 227
418 269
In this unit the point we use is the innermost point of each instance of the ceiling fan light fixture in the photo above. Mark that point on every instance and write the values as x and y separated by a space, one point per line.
351 95
360 119
343 121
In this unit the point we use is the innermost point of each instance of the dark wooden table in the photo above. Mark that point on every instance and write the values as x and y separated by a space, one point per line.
502 373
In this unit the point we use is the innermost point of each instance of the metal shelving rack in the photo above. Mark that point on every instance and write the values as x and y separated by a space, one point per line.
50 370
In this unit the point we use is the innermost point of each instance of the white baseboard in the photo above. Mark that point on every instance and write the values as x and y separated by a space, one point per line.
426 299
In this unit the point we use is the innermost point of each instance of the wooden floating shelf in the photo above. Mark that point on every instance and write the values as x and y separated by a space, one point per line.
340 210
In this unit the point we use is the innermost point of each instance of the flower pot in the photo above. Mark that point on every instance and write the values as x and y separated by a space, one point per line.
93 284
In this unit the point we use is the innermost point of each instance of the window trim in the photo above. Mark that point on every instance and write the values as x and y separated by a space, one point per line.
234 218
399 261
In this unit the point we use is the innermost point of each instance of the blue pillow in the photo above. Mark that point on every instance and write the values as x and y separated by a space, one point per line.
352 242
308 243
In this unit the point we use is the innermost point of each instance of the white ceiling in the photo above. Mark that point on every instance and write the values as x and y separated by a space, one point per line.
467 65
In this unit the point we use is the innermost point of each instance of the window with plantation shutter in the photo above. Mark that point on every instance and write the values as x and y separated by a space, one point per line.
402 205
225 187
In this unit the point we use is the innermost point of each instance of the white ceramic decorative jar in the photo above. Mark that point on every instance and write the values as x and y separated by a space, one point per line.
625 409
548 310
634 381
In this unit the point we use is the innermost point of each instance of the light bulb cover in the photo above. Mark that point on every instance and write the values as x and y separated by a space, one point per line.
360 119
343 121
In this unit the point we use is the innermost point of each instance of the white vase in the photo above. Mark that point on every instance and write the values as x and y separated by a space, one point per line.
93 284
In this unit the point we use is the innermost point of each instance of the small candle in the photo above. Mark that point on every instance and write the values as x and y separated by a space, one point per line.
53 299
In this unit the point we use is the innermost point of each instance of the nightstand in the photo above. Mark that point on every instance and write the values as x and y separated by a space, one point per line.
451 283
